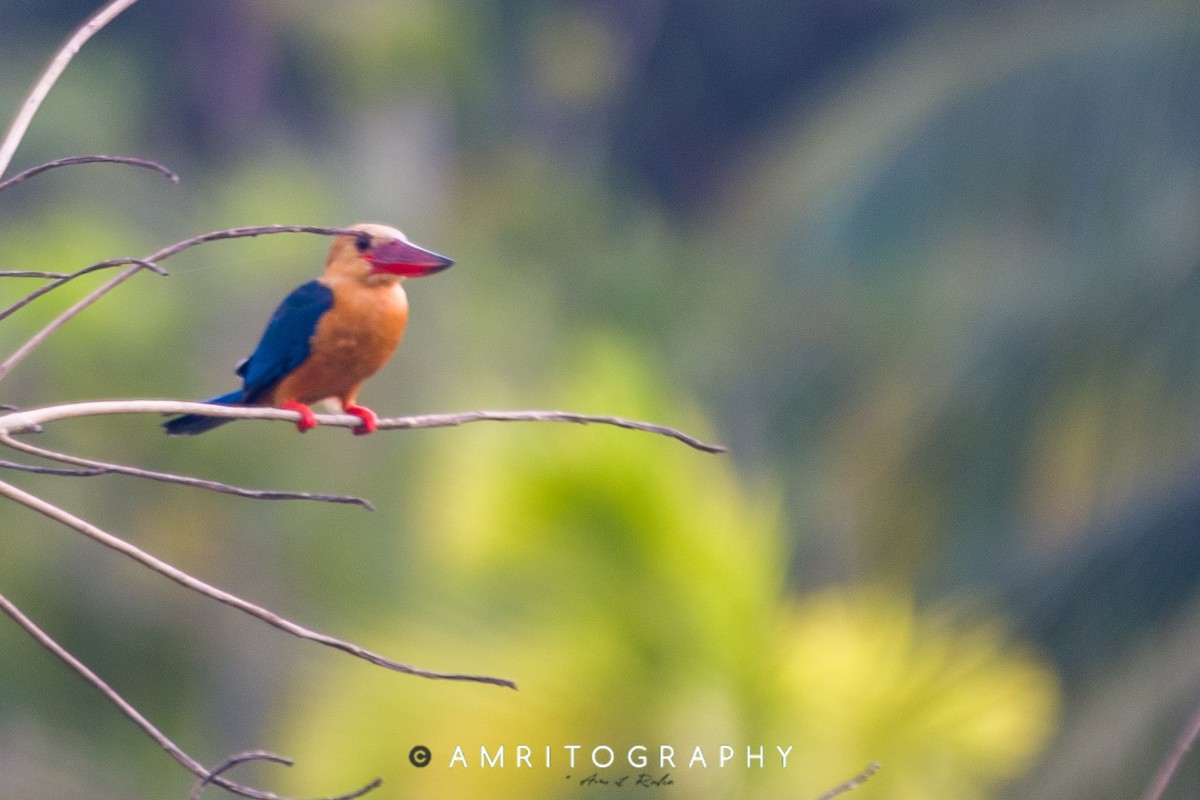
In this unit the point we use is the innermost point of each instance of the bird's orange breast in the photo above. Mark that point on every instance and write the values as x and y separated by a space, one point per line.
351 342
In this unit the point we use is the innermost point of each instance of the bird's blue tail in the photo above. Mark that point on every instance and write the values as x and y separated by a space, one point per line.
191 424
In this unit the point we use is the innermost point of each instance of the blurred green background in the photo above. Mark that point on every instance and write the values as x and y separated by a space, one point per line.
928 269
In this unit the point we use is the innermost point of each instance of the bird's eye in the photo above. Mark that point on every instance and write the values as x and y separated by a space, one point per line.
363 242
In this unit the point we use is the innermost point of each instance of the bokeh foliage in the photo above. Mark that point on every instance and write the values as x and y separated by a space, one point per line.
639 593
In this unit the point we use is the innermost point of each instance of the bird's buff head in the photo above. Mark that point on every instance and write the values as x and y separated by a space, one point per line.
380 250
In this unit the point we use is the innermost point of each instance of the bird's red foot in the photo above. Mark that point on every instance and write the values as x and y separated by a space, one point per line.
308 420
366 415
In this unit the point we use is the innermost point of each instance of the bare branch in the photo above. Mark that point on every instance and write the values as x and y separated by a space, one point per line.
92 467
141 263
195 584
23 421
125 707
46 81
263 755
145 163
855 782
1182 745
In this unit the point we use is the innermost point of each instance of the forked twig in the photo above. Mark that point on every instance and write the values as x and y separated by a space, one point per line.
235 760
263 755
162 740
57 279
188 581
92 467
39 337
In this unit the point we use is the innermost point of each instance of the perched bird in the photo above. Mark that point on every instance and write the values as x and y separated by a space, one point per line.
331 334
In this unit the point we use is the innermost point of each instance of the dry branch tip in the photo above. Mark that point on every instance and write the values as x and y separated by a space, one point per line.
144 163
263 755
855 782
92 467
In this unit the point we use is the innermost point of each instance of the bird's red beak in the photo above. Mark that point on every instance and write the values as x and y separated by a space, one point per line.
398 257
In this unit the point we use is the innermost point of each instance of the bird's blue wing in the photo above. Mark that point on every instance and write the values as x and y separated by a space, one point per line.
285 342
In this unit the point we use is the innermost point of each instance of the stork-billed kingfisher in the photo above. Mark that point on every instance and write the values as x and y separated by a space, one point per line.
331 334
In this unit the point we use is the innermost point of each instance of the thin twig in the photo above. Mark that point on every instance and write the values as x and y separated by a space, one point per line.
162 740
68 473
855 782
1182 745
244 232
462 418
131 161
186 580
262 755
32 273
58 279
235 760
93 467
141 263
46 81
23 421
